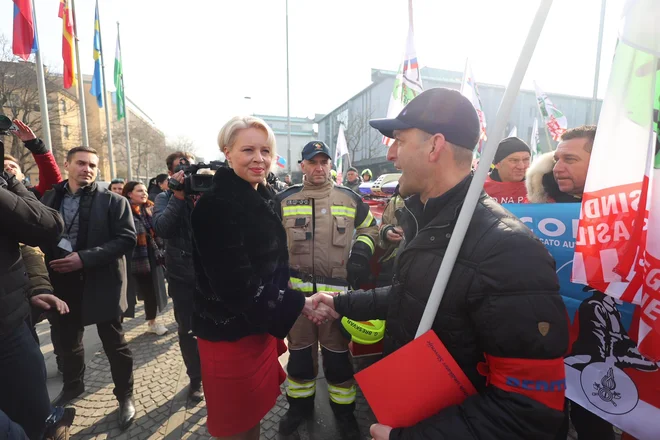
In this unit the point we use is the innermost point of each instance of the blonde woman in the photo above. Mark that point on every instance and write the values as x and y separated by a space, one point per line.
244 307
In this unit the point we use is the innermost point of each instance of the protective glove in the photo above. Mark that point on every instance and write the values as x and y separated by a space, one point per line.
357 268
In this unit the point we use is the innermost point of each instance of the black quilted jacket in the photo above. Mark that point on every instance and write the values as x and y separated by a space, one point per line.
502 286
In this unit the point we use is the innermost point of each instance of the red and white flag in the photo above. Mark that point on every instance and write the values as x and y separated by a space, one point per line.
408 82
617 249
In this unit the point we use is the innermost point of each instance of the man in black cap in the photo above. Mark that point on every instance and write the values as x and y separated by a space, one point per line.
332 236
506 182
501 317
353 180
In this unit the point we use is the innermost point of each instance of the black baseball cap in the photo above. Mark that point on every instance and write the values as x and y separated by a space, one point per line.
438 110
314 148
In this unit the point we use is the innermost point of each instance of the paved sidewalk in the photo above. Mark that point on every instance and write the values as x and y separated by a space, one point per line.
161 390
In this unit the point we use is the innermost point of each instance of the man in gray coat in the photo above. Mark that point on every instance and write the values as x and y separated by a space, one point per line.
88 270
172 223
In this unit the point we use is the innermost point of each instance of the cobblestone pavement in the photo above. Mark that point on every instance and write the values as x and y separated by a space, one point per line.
161 390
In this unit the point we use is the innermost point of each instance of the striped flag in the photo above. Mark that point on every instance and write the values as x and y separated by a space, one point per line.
552 116
408 82
97 86
119 84
281 162
68 54
25 40
617 249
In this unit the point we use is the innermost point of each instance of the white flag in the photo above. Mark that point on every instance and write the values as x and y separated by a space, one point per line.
408 82
535 141
617 250
340 151
470 90
513 132
553 118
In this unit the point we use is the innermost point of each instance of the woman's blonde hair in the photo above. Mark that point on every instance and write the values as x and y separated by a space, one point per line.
227 135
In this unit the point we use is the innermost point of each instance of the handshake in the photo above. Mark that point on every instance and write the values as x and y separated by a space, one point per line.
320 308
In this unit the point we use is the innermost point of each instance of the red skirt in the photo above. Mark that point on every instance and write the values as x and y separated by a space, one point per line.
241 381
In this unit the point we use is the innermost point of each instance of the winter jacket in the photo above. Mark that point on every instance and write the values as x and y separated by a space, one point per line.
353 186
505 192
23 220
501 304
541 184
171 222
36 270
106 234
241 263
133 292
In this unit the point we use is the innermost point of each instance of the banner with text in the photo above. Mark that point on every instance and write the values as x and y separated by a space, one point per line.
605 372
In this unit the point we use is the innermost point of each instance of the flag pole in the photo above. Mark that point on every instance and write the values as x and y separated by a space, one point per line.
594 100
108 124
467 60
81 83
41 84
410 14
480 174
288 112
129 161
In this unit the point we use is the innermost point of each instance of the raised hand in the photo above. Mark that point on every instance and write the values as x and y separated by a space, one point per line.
24 132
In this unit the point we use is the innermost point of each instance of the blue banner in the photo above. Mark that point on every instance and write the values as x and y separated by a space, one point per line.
556 226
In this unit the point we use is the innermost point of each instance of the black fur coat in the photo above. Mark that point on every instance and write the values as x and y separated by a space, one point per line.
241 263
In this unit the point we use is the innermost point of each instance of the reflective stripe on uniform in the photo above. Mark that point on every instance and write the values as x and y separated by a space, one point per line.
289 211
342 396
307 287
368 241
344 211
367 221
299 390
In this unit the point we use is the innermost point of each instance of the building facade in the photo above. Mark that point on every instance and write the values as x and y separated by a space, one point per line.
365 144
302 132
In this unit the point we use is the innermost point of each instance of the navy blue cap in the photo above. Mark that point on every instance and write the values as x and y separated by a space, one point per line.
434 111
313 148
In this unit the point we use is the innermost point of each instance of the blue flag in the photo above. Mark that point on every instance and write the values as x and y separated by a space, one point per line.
97 86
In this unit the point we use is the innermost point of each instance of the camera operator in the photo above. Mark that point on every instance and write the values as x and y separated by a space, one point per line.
24 397
49 171
171 221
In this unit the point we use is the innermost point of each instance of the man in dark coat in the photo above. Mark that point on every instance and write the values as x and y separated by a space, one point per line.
172 223
501 315
23 395
88 270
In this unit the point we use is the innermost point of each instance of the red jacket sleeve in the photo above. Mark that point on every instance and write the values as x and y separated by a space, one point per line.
49 172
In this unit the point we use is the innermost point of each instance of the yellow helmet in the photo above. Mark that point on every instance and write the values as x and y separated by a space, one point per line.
364 332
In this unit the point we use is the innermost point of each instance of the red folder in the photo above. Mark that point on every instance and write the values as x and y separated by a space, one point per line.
413 383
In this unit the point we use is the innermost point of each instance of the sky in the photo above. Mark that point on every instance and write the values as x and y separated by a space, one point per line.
190 65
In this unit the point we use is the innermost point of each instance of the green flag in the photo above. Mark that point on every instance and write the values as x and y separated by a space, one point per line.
119 84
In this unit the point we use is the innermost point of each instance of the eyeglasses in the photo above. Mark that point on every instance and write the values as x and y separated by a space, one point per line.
113 181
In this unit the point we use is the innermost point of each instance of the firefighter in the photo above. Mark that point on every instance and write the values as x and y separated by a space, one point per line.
332 235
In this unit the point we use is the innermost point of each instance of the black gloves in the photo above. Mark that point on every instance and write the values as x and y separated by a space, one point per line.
36 146
358 269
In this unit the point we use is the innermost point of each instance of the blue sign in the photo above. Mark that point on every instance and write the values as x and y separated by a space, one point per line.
556 225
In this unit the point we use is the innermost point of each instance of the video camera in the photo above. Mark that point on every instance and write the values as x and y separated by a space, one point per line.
194 183
6 125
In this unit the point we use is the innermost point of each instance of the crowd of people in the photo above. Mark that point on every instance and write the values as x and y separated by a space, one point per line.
255 260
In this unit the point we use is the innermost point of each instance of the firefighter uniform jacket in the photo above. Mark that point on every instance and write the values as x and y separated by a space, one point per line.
322 223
